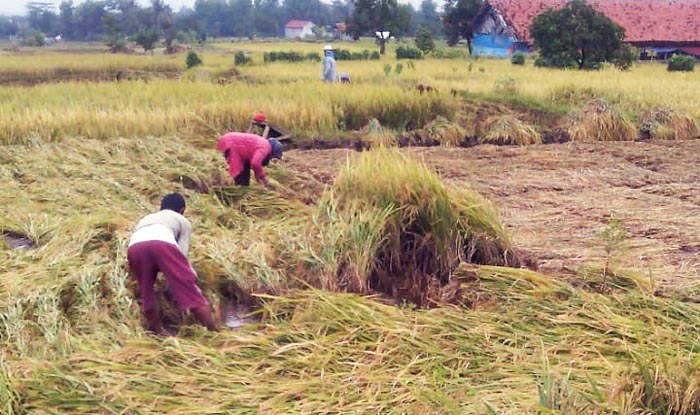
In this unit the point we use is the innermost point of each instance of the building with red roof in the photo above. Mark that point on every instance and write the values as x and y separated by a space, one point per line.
298 29
660 26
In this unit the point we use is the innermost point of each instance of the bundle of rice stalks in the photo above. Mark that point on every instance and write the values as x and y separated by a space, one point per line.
442 131
378 135
665 123
426 230
507 129
598 120
258 202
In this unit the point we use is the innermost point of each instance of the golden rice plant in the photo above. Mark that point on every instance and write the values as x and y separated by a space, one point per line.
508 129
659 384
378 135
442 131
429 227
598 120
666 123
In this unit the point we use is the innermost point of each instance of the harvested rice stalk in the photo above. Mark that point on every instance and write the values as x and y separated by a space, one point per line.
507 129
666 123
442 131
598 120
378 135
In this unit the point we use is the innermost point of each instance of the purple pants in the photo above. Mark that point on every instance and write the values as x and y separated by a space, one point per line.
147 258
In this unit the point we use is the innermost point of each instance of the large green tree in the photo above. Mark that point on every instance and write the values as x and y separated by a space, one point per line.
576 36
429 17
460 20
370 16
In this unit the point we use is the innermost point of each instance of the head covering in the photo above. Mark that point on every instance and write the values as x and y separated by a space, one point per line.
173 201
259 117
277 149
328 47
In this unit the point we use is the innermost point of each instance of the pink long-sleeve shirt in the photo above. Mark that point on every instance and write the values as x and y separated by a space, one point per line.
245 149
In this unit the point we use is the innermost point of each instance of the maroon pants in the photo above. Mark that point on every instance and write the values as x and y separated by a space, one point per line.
148 258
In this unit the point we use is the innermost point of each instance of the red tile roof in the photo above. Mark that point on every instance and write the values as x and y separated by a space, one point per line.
643 20
297 24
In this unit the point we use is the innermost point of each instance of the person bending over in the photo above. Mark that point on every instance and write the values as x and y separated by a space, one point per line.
160 243
245 152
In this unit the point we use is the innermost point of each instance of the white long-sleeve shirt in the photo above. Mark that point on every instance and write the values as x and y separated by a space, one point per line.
167 226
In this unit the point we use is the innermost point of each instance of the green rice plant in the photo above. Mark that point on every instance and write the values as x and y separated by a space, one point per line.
9 402
347 240
505 85
598 120
660 384
614 239
666 123
507 129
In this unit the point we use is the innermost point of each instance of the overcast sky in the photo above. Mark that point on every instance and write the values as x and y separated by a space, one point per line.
14 7
18 6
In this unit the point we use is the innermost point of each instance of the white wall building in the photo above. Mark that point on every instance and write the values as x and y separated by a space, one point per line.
298 29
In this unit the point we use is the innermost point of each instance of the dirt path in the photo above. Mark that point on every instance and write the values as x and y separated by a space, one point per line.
555 199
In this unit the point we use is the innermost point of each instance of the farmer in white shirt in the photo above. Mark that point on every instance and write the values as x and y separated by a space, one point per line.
160 243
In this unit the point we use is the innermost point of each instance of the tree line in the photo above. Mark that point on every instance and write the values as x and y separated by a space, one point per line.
575 36
95 20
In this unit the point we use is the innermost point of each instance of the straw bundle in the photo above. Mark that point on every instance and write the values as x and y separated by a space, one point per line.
598 120
425 230
507 129
666 123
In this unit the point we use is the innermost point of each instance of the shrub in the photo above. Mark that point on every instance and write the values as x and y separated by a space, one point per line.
290 56
407 52
625 57
146 38
681 63
313 56
192 59
424 40
542 62
33 38
346 55
116 44
240 58
518 58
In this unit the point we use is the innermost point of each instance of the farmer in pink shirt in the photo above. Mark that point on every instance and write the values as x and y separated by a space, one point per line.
160 243
244 151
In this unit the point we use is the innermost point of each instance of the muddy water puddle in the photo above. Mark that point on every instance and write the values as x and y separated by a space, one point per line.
234 317
18 241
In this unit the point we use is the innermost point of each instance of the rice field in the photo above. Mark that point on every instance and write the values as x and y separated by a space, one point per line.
440 280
